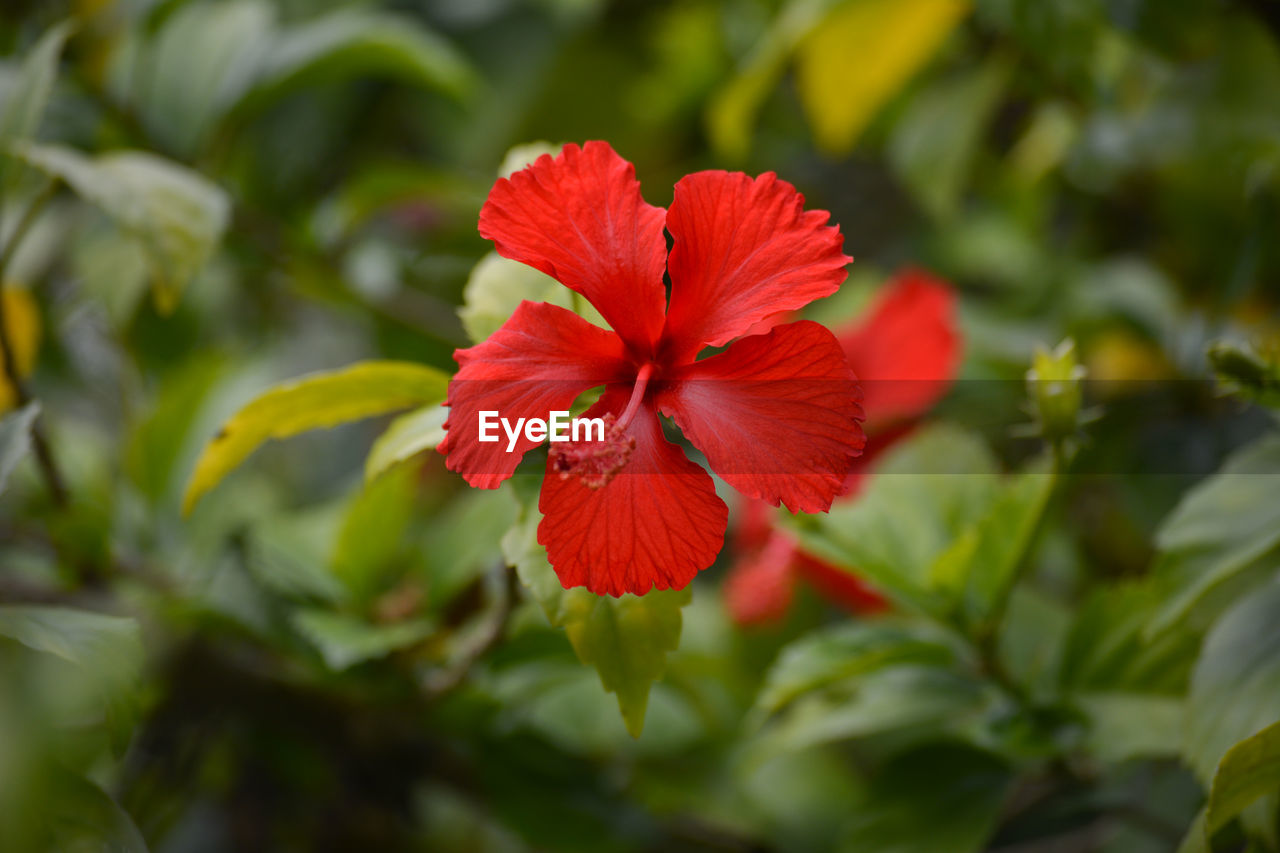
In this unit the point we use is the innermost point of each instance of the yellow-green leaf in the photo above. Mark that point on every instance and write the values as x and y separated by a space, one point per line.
320 400
1250 769
520 156
408 435
372 531
861 56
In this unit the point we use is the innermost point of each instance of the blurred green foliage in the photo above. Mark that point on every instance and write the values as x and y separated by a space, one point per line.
342 647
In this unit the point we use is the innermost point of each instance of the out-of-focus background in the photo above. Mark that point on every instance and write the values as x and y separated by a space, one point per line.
1072 647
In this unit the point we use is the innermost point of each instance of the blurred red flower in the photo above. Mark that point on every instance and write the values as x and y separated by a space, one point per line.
776 413
905 350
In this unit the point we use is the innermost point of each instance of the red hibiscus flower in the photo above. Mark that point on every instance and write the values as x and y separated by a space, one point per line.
776 413
905 350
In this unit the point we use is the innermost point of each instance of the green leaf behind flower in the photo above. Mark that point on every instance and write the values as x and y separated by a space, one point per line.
626 639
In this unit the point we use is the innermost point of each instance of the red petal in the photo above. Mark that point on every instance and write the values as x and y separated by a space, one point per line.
744 250
657 523
776 415
752 526
759 589
906 349
580 219
539 361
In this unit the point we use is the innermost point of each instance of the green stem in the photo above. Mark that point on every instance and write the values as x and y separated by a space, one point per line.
986 634
40 442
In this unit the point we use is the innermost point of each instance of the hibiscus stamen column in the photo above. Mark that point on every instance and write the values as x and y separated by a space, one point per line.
637 394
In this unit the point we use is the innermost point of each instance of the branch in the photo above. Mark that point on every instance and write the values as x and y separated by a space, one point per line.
502 583
44 453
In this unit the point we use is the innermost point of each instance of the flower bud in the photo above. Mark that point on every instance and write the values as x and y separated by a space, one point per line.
1054 386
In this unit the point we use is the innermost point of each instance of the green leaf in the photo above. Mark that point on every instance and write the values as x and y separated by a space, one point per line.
823 657
344 641
943 798
1106 650
29 95
106 650
1249 372
114 273
176 215
862 54
201 62
1235 688
982 564
108 645
1249 770
1195 840
626 639
289 554
15 438
85 817
1031 634
1222 527
351 43
407 436
564 702
372 531
210 62
160 439
926 493
359 391
521 549
935 165
908 698
1124 726
464 540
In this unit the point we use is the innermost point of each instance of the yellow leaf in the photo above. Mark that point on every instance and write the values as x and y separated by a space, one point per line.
861 55
22 322
360 391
